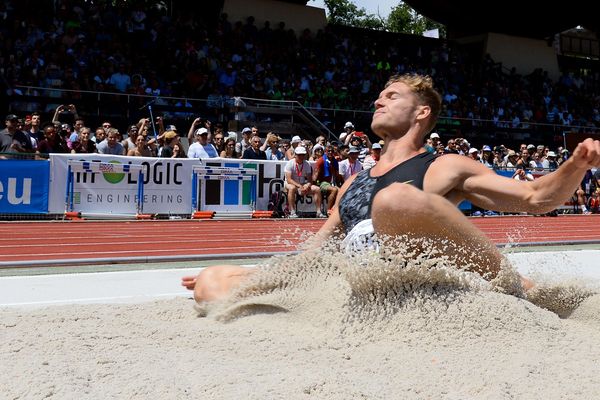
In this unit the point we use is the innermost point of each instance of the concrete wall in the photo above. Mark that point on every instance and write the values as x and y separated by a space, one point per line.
296 17
522 53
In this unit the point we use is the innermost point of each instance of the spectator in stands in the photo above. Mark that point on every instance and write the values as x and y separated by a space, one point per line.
272 151
326 175
372 159
289 154
111 145
141 149
243 144
552 163
202 148
34 132
178 151
99 135
351 165
474 154
487 156
229 151
13 140
299 176
171 138
84 143
348 130
219 140
52 142
254 152
451 147
435 139
317 152
130 141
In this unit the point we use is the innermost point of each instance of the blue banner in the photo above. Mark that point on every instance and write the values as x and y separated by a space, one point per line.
24 186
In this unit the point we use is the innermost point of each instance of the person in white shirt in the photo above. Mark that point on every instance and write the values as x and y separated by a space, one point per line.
299 180
350 165
201 148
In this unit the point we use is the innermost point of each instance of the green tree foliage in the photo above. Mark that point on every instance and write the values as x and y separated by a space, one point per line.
402 18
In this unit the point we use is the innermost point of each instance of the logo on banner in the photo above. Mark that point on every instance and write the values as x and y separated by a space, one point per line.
108 173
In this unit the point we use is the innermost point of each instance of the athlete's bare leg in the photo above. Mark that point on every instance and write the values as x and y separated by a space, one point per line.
216 282
403 209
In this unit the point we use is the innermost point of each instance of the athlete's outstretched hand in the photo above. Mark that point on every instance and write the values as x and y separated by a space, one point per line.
587 154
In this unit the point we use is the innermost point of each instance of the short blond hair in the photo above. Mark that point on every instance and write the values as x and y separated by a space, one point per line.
422 87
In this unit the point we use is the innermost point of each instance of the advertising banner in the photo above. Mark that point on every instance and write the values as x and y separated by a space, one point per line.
24 186
167 185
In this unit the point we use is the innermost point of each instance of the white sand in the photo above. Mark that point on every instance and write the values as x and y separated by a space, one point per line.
319 328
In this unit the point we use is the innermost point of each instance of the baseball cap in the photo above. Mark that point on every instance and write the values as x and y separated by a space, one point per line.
473 150
201 131
296 139
511 153
551 154
348 125
171 128
353 149
170 134
434 135
246 129
530 146
487 148
376 146
564 151
232 134
300 150
11 117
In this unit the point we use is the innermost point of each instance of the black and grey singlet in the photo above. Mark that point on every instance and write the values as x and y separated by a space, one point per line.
355 204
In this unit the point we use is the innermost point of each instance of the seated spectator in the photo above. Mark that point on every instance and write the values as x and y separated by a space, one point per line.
201 148
254 152
171 139
84 142
351 165
141 149
317 152
295 142
178 151
298 176
326 174
52 142
272 151
111 145
229 151
372 159
243 144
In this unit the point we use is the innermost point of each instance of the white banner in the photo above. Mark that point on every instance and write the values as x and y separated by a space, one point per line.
167 188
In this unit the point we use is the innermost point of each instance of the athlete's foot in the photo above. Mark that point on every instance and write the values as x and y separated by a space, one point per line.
189 282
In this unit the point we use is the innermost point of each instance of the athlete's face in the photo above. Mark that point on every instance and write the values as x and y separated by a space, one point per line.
395 111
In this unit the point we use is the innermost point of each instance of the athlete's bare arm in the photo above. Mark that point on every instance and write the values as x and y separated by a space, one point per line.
458 178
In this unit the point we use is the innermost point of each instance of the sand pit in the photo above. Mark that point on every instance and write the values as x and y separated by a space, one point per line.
319 328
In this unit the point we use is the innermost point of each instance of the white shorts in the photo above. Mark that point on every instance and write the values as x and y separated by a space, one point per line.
361 239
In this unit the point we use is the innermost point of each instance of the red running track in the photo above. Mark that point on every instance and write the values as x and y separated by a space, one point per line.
51 241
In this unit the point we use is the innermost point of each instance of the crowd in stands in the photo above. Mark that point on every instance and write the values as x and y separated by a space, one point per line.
125 48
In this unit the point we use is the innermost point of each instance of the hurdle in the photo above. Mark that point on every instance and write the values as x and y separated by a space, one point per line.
201 174
102 167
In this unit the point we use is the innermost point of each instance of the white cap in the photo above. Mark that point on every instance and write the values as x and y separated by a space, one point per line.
296 139
300 150
551 154
348 125
201 131
473 150
376 146
434 135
